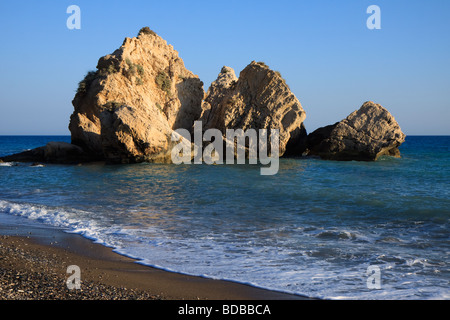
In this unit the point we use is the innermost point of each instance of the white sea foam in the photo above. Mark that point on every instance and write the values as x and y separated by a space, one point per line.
70 220
271 263
6 164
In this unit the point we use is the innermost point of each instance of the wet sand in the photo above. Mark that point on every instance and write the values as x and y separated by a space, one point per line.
33 266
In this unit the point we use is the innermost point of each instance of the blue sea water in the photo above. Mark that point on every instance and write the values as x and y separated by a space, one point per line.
313 229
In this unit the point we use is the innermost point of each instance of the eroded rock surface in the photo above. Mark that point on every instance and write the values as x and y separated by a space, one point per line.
258 99
127 110
366 134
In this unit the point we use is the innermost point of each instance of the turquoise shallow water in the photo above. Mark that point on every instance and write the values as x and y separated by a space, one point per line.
312 229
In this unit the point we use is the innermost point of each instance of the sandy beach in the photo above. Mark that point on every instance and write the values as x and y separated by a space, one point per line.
33 266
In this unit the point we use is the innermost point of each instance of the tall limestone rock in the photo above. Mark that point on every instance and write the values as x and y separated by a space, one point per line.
258 99
366 134
127 109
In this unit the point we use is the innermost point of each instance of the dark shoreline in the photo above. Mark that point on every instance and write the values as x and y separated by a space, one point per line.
33 266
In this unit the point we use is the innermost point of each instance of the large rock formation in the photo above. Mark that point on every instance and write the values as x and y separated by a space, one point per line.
366 134
259 99
127 110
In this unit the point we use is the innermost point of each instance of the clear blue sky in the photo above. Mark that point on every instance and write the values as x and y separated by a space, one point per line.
330 59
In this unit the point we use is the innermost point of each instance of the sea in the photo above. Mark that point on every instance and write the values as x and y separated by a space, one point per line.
323 229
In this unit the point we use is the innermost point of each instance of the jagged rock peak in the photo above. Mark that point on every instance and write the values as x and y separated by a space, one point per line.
126 110
258 99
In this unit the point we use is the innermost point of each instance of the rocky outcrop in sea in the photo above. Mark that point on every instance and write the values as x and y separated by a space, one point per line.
366 134
258 99
127 110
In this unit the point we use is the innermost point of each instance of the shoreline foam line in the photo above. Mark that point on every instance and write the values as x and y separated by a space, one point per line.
59 218
105 266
